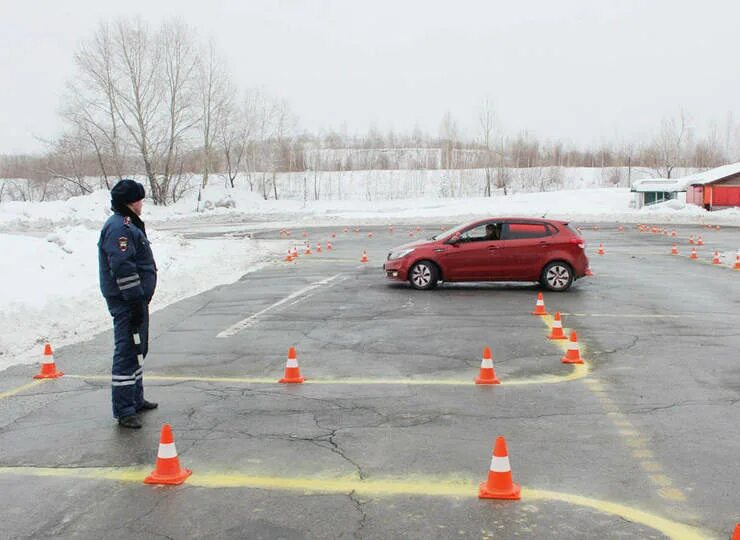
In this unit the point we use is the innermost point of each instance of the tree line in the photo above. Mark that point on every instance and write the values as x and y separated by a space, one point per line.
157 103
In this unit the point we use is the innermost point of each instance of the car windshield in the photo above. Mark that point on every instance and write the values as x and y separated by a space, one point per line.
448 232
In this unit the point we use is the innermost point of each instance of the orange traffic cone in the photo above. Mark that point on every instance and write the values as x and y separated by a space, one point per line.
621 228
292 371
737 262
499 484
48 367
487 375
693 254
539 308
601 249
346 229
418 229
717 227
736 534
673 233
557 328
318 247
691 239
333 235
305 234
328 246
364 257
308 249
167 469
289 256
573 354
589 273
370 235
295 252
715 259
674 249
700 241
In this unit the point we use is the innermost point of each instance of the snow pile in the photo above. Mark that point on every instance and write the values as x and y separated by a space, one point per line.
49 285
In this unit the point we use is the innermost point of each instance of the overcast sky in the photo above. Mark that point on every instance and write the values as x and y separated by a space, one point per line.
582 71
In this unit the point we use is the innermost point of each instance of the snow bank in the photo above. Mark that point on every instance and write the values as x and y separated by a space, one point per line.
49 285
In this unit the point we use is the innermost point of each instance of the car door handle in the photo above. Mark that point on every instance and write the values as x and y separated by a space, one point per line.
493 248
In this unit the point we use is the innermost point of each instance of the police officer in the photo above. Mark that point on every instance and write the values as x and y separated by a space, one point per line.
128 277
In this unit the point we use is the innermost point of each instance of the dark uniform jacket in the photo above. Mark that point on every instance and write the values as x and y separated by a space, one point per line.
125 260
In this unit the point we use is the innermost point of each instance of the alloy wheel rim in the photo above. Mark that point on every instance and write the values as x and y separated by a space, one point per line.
421 275
558 276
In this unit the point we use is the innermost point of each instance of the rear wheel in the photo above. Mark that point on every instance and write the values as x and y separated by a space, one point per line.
557 276
423 275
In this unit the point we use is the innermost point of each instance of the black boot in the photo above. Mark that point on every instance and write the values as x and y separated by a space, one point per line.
147 406
131 421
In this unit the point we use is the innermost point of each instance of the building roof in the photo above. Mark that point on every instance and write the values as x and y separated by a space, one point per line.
667 185
710 176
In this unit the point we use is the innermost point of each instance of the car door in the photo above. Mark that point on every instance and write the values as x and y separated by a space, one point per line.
526 245
469 258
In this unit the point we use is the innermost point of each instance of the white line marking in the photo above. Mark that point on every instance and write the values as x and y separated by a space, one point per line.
246 323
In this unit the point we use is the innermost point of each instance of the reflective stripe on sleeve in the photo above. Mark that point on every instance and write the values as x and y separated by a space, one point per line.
129 285
132 277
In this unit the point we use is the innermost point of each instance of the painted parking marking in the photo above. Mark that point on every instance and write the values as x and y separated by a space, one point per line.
19 389
578 371
249 321
629 434
379 487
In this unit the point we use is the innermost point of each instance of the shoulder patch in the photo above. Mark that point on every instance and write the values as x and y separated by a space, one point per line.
126 220
123 243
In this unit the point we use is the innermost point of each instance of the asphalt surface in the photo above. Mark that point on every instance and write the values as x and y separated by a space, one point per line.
389 438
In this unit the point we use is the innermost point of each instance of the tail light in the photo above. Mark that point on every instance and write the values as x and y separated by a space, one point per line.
580 241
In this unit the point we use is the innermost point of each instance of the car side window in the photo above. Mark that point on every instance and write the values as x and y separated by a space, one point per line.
520 231
485 232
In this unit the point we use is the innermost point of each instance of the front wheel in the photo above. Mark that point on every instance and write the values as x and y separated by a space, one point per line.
423 275
557 276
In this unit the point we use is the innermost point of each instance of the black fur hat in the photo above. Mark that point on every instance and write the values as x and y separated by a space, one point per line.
126 191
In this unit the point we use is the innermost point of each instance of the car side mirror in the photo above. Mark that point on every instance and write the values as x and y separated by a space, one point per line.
454 239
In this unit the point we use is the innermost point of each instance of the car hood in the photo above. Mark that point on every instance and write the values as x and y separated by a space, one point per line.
414 243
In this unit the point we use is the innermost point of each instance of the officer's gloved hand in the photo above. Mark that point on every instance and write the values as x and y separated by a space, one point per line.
136 314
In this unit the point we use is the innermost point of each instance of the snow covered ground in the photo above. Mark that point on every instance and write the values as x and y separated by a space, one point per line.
48 274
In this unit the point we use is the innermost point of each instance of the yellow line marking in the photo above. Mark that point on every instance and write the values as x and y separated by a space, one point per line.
672 494
578 371
642 453
381 487
625 315
661 480
18 390
651 466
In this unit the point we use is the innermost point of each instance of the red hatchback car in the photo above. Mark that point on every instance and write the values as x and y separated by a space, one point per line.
493 249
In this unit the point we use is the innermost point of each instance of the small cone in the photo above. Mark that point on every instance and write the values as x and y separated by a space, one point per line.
346 229
318 247
418 229
48 367
717 227
673 233
370 235
305 234
333 235
539 308
364 257
292 371
487 375
621 228
693 254
295 252
737 262
499 484
308 249
715 259
674 249
700 241
289 256
573 354
691 239
589 273
557 328
736 534
167 469
328 246
601 249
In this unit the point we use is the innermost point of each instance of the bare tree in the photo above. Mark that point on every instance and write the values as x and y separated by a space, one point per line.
486 121
669 148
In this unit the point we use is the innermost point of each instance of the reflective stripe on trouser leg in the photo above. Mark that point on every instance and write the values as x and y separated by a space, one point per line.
127 390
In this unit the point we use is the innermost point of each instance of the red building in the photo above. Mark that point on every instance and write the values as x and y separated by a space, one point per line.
714 189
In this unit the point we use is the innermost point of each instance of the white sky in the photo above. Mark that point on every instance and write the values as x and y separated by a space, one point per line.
584 71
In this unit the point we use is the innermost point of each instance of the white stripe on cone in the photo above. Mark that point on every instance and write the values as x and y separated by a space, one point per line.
48 359
292 362
486 363
572 345
167 451
500 464
557 324
540 303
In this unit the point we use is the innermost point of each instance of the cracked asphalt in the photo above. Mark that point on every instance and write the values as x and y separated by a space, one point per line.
653 425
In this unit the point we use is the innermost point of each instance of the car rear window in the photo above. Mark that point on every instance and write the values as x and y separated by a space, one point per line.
515 231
